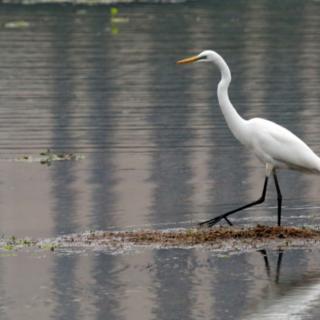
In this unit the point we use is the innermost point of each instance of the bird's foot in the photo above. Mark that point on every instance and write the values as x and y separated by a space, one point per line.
212 222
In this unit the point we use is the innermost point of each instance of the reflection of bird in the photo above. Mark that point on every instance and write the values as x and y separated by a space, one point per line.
267 264
274 145
295 297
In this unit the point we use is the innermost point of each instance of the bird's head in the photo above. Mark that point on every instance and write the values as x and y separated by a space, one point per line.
204 56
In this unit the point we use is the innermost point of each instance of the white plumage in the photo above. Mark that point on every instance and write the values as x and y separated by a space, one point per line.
274 145
277 147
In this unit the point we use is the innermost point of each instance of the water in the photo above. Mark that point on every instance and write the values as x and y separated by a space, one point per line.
160 284
157 154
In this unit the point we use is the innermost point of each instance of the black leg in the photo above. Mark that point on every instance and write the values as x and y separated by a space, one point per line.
280 254
215 220
267 265
279 197
266 261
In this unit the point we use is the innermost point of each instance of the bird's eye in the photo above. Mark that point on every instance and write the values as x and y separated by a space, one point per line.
202 58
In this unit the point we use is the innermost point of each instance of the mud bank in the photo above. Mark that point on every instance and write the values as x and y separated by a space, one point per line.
220 238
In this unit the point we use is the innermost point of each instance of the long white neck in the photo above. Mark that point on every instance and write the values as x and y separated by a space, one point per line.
235 122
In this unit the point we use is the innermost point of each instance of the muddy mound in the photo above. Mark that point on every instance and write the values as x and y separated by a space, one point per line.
220 238
202 236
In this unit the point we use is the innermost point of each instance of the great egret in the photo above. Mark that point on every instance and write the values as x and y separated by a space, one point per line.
273 144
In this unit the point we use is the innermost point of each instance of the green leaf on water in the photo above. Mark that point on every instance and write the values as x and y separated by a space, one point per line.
8 247
21 24
114 11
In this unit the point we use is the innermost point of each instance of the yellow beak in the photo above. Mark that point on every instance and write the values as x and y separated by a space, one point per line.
188 60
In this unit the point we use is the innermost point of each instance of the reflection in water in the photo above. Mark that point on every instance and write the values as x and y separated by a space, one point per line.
290 298
170 168
267 264
157 148
171 174
101 88
107 290
63 176
157 152
228 307
4 301
65 291
309 57
170 275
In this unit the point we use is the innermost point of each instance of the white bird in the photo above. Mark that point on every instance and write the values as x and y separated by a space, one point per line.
273 144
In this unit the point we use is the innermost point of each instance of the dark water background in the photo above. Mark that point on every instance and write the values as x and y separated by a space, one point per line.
157 154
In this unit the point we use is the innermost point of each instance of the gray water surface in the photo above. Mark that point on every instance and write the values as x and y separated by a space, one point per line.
157 153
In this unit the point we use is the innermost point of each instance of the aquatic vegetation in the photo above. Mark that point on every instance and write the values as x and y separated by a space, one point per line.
8 247
48 246
20 24
114 11
13 243
202 236
115 20
48 157
222 238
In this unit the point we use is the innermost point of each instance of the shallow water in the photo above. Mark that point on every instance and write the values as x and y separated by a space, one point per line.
157 152
160 284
